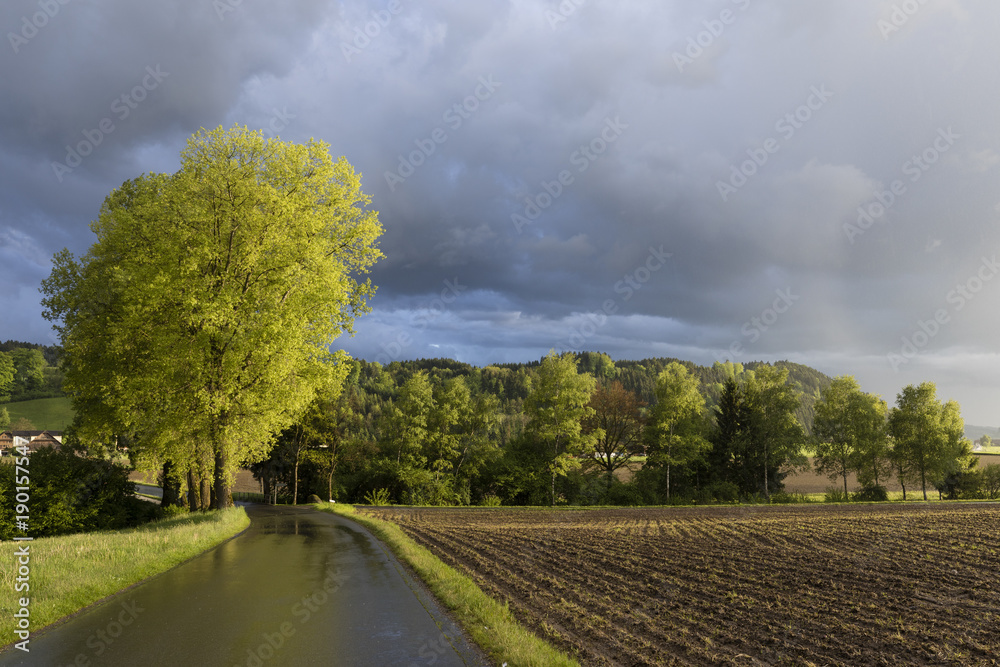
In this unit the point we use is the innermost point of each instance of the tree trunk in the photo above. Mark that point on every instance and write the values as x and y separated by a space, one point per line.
846 496
767 491
329 486
265 486
295 476
194 500
206 494
555 453
171 486
223 488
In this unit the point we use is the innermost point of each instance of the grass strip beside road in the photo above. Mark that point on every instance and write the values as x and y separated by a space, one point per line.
70 572
488 622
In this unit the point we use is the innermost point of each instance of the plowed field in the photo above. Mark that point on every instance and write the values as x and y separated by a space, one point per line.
820 585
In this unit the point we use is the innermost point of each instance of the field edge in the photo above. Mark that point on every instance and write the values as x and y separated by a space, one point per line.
490 623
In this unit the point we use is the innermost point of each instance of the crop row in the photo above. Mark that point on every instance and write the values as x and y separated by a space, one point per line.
866 585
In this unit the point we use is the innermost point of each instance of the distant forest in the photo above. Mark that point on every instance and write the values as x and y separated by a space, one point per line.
440 431
509 382
36 370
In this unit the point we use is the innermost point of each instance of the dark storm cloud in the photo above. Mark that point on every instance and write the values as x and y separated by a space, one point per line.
540 153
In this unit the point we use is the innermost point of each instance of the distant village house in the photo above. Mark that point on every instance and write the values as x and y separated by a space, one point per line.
34 440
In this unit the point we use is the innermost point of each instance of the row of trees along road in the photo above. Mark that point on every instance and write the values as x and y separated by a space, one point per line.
200 322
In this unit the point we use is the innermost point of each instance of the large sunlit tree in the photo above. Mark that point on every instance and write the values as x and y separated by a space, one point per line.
201 320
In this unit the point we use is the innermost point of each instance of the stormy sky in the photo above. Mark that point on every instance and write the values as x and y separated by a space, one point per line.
731 179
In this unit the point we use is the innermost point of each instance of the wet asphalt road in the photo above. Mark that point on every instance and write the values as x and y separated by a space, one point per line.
299 587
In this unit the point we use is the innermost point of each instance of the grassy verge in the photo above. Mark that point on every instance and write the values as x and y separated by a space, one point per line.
489 623
72 571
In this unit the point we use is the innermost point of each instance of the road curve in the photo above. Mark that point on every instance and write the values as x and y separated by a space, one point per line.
299 587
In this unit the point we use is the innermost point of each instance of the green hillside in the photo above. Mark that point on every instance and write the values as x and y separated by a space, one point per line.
47 414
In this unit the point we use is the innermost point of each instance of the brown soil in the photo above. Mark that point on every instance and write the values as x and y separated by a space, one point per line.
821 585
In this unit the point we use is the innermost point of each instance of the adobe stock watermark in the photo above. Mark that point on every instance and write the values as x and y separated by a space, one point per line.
582 158
758 325
898 18
303 610
22 566
279 121
433 650
121 108
393 350
453 117
959 297
363 35
31 25
223 7
786 127
101 640
627 287
714 29
563 12
914 169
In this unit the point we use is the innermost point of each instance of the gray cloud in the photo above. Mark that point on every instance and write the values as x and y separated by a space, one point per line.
380 86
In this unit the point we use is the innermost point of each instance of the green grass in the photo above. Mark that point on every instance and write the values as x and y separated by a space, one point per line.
489 623
47 414
71 572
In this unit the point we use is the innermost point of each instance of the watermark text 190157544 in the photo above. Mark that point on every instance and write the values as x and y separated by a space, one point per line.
22 581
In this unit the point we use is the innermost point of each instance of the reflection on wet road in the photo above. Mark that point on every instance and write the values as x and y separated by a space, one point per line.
299 587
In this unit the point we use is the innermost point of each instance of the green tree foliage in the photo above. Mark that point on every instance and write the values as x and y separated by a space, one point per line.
407 423
72 494
597 364
556 408
850 434
7 373
757 437
990 481
438 431
674 432
202 318
929 436
29 371
36 375
464 426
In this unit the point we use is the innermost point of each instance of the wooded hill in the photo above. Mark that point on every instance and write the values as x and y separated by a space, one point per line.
509 382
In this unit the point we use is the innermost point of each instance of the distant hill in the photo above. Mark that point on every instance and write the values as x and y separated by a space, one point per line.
506 380
973 432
